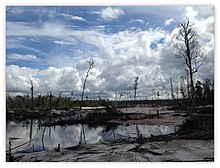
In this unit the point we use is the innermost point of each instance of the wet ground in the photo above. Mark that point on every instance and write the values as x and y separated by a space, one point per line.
83 142
176 150
44 138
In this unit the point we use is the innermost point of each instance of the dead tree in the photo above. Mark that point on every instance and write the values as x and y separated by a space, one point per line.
187 80
135 87
91 65
32 94
50 101
171 88
188 48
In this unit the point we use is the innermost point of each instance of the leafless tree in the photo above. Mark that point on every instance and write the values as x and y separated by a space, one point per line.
135 86
91 63
32 94
188 48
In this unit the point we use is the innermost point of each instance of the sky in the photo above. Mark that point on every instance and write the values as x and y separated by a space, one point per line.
51 45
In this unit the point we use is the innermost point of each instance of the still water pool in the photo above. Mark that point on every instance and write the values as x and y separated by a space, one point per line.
44 138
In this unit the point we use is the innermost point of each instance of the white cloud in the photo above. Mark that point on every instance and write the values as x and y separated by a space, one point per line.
173 67
18 78
66 79
47 29
189 13
12 43
26 57
137 20
62 42
168 22
53 12
51 79
204 11
119 58
72 17
109 13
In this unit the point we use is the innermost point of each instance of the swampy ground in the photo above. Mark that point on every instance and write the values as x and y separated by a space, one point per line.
193 141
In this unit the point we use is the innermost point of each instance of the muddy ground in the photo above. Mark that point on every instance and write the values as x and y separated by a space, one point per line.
174 149
149 116
164 151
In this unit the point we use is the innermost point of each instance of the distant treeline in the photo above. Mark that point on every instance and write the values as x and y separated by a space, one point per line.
48 102
204 95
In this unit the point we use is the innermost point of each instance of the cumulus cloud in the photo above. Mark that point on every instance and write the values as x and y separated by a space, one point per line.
109 13
119 58
174 67
189 13
18 78
66 79
51 79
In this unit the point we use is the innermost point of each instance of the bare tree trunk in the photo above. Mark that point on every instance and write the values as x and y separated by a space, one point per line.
190 50
135 94
177 91
84 85
192 90
91 65
171 87
50 102
190 72
135 87
32 95
187 75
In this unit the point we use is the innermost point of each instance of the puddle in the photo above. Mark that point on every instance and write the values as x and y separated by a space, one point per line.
44 138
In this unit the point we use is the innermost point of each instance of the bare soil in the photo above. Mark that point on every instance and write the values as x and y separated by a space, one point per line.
151 116
154 151
175 151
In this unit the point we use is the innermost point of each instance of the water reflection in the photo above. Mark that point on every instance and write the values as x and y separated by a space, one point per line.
49 137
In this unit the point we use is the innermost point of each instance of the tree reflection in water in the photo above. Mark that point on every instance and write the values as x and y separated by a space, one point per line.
71 135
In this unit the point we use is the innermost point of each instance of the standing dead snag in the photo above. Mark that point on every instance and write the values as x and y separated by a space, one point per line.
189 49
32 94
32 107
135 86
50 101
171 88
91 65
